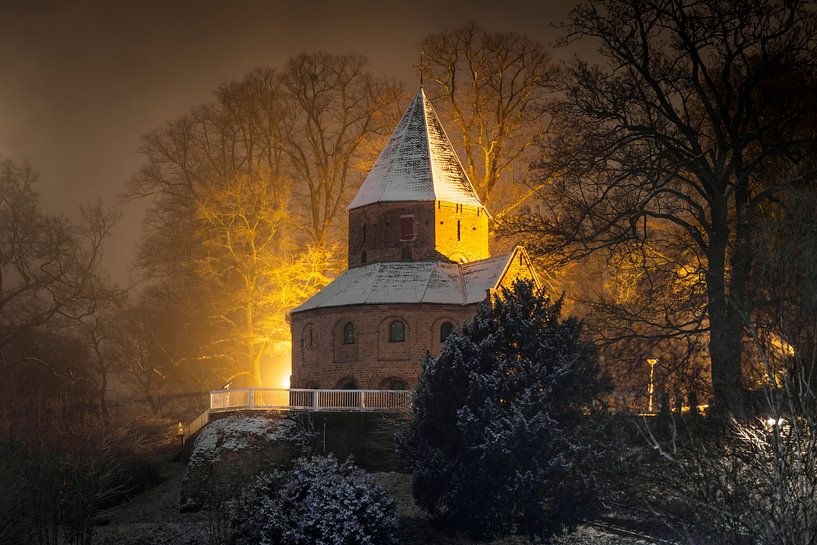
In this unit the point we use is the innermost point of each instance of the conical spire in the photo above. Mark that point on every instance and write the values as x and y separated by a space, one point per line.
417 164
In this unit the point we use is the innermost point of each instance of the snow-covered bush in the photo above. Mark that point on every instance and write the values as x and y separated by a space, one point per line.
320 502
497 443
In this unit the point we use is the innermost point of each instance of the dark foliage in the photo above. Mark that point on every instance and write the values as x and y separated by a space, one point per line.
497 444
319 502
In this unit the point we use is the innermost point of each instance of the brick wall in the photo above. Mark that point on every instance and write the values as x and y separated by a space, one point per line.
520 267
372 361
381 240
442 230
461 231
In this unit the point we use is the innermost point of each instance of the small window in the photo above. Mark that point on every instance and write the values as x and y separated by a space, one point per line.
349 333
446 329
397 384
397 332
363 257
458 229
407 228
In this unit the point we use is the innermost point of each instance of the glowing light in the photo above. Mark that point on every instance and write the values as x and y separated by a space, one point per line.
277 366
781 346
651 389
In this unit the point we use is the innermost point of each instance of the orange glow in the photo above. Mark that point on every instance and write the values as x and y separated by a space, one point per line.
277 366
781 346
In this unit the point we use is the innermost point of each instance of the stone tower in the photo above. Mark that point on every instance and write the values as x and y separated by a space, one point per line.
419 266
417 204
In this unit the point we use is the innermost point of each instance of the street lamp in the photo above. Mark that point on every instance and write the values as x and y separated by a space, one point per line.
652 362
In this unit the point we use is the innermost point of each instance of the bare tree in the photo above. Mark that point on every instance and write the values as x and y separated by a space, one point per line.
48 267
271 147
742 481
490 86
676 142
334 106
253 265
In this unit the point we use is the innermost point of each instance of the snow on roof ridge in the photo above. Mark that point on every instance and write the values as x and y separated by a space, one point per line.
401 142
428 111
418 163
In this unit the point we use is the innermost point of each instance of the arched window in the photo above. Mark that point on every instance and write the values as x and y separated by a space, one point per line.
397 332
397 384
349 333
446 329
308 337
347 384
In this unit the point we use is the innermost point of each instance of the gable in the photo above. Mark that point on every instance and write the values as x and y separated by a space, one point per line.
519 266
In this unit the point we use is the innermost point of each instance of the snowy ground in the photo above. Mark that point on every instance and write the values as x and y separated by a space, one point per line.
152 518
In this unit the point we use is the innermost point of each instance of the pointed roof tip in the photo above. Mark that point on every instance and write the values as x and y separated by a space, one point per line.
418 163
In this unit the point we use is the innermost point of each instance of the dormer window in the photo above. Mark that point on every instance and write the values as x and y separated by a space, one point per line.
407 228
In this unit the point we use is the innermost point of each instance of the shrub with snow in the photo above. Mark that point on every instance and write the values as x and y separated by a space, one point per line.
320 502
496 444
230 452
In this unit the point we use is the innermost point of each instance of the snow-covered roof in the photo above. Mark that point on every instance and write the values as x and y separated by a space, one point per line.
417 164
412 282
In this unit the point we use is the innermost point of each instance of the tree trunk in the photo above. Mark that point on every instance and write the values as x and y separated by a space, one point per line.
725 354
726 329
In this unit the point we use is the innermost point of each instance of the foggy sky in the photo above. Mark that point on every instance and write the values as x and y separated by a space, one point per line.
80 82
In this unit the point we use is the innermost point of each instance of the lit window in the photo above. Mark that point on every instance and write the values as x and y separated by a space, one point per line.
407 228
349 333
446 329
397 332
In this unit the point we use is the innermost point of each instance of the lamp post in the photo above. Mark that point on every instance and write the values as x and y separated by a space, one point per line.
180 433
651 389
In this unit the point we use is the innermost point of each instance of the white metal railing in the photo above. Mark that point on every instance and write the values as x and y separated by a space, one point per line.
193 427
310 400
302 400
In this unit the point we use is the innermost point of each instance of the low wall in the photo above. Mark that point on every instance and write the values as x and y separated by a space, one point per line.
224 462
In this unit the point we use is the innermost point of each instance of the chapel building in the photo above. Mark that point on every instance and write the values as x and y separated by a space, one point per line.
418 267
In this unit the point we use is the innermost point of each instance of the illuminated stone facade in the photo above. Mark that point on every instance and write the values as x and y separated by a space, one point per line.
419 266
